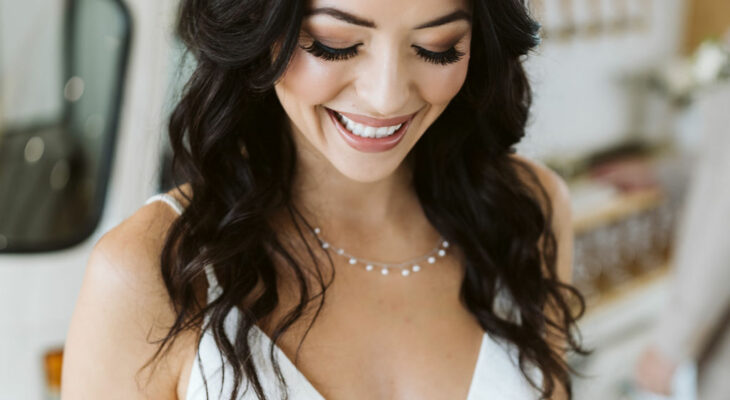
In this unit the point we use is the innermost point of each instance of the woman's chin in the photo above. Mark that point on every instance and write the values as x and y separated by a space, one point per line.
362 173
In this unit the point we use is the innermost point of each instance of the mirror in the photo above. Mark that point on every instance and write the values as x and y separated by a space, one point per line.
54 174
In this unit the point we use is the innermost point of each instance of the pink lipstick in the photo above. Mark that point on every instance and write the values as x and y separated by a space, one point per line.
371 144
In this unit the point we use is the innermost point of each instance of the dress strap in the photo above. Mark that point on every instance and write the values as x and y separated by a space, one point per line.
214 290
171 201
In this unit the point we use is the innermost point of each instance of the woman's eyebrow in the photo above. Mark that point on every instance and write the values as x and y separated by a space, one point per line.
454 16
352 19
341 15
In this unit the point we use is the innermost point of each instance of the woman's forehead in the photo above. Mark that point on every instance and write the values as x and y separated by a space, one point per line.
415 14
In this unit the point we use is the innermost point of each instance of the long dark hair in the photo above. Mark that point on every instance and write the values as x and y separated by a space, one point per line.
232 145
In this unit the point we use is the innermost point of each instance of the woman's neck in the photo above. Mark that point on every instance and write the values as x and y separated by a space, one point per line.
334 197
378 217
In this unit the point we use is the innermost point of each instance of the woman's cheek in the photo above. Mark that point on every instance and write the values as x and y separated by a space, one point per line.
312 80
439 84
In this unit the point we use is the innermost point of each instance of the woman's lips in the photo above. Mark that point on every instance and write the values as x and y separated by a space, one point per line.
376 122
371 145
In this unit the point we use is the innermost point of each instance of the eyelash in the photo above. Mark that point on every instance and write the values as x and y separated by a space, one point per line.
332 54
442 58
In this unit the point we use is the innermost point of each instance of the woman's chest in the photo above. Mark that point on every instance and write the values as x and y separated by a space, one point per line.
397 338
372 343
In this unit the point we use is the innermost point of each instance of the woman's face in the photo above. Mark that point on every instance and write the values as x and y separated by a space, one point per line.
388 67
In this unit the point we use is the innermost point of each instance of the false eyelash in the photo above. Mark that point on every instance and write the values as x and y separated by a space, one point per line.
333 54
330 53
442 58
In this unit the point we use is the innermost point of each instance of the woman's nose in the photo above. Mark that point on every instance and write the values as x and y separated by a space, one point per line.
385 85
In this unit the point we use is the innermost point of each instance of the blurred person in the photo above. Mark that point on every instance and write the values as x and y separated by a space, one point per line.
695 327
336 134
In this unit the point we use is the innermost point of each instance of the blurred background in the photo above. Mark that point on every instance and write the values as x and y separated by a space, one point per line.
631 107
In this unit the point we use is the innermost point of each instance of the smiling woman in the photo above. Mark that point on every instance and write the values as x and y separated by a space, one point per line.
351 221
399 66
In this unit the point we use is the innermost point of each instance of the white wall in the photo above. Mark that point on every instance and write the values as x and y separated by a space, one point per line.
580 102
30 47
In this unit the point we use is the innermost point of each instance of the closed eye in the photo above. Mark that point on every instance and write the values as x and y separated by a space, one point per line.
449 56
331 53
318 49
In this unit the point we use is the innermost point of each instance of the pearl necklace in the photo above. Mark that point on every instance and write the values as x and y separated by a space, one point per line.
406 267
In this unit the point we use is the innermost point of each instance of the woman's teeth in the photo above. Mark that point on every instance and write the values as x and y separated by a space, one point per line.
367 131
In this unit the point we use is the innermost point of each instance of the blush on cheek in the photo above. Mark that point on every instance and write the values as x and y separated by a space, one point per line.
440 84
310 80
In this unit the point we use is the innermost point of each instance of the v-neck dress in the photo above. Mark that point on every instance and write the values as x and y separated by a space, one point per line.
496 374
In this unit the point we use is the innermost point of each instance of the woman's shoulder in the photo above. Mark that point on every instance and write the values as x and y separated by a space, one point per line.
556 189
558 194
122 310
555 186
135 244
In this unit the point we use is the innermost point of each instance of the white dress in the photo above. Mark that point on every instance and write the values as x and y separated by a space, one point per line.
495 376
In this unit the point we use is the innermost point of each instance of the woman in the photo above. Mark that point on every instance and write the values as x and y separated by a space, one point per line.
350 196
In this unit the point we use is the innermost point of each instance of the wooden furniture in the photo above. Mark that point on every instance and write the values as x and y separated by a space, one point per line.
705 18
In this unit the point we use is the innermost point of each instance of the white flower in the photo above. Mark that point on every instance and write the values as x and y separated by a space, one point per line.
709 61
